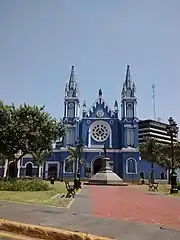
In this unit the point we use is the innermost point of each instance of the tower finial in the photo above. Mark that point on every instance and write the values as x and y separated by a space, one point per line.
100 92
133 89
84 109
84 103
115 106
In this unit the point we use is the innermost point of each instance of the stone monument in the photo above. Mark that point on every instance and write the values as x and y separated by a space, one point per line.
106 176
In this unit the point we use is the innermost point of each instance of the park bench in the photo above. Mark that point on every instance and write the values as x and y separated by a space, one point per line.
70 190
153 186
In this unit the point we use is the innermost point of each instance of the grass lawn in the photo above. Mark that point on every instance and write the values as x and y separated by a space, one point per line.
39 197
165 188
162 189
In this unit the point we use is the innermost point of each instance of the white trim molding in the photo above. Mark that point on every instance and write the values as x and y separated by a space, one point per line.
33 166
127 161
108 127
64 167
97 149
129 149
5 167
93 160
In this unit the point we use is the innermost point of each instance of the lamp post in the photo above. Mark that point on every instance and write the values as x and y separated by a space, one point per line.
172 131
79 146
59 145
152 161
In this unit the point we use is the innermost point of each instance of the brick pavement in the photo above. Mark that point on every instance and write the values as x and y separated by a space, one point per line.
82 216
131 204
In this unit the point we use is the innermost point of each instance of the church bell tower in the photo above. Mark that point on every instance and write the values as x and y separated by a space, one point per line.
71 109
128 112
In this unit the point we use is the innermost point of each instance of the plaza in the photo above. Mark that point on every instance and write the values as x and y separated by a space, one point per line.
127 213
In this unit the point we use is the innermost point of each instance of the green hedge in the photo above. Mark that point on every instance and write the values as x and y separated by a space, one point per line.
179 186
24 185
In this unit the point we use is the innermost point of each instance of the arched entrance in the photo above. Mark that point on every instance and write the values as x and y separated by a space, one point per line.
29 170
52 171
12 170
97 165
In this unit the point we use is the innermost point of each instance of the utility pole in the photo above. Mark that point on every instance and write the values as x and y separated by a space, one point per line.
153 99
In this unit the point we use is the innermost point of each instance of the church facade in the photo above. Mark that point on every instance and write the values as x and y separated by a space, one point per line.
98 126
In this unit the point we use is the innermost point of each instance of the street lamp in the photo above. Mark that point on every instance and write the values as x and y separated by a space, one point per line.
172 131
59 145
79 148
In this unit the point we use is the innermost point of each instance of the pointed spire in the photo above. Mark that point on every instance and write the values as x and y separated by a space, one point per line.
133 89
66 88
72 80
71 89
123 90
100 93
128 78
84 103
84 106
115 105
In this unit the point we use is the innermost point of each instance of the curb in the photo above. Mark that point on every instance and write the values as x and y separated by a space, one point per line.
45 232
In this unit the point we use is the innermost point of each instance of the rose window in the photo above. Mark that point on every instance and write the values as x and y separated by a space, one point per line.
100 132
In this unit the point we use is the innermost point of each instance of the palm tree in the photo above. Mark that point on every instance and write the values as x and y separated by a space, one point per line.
76 159
39 157
152 150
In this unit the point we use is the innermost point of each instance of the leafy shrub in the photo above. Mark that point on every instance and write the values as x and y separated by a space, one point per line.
178 185
24 185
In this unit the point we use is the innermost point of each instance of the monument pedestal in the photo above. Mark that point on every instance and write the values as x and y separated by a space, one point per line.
106 176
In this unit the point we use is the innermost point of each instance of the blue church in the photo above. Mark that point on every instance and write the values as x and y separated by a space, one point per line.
98 126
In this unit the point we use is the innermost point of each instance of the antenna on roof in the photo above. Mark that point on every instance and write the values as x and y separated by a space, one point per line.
153 100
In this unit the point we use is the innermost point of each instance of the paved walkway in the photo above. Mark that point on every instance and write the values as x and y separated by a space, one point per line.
134 205
105 211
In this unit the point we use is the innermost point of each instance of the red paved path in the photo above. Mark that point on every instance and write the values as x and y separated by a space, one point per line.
134 205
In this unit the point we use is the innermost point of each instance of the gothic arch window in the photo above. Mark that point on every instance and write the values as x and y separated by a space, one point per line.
70 135
130 137
131 166
130 112
69 166
71 112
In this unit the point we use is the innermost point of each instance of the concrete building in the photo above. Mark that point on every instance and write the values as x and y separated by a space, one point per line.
155 129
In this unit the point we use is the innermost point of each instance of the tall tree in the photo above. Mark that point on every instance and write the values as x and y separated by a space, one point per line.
151 150
27 129
166 160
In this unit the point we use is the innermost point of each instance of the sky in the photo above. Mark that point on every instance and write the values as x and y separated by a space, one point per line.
41 39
